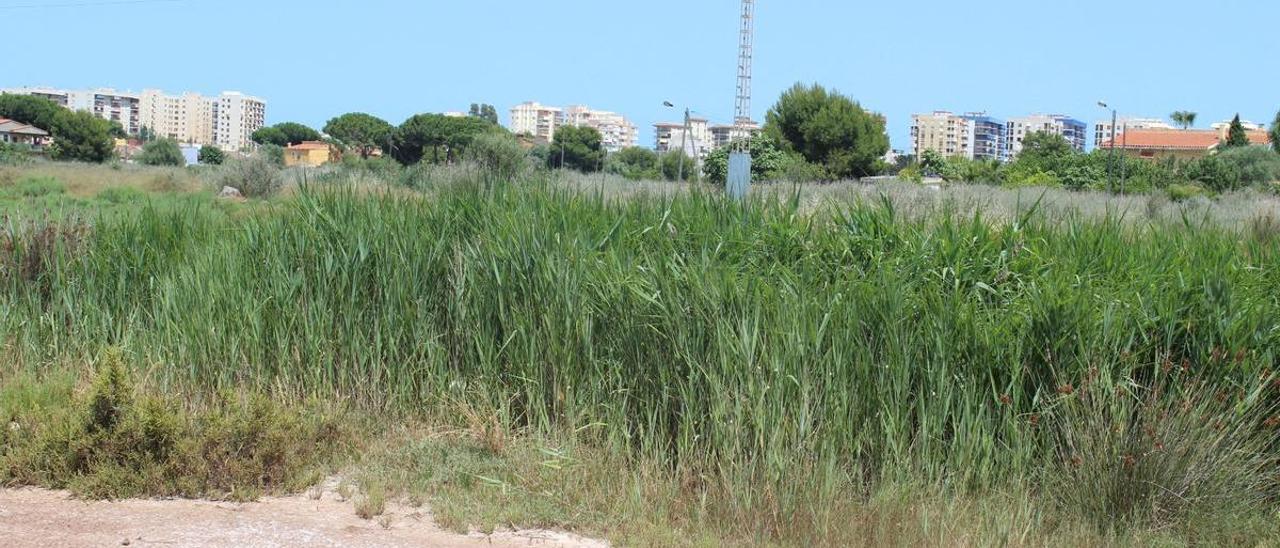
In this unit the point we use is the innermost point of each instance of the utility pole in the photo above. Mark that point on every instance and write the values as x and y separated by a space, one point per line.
684 142
1111 161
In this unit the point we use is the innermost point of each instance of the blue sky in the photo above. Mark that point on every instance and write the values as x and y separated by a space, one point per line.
316 59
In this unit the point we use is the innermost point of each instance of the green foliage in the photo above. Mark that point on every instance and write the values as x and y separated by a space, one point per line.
437 138
211 155
81 136
932 163
634 163
1183 192
958 169
580 148
117 443
273 154
1184 118
673 161
1236 135
912 174
499 154
1252 165
254 177
31 110
295 133
161 152
1045 149
485 112
364 133
270 135
1274 134
768 162
828 129
36 186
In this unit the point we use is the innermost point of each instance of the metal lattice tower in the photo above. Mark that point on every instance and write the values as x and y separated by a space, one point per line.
739 181
742 111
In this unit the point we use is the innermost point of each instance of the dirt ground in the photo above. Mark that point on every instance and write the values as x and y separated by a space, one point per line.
37 517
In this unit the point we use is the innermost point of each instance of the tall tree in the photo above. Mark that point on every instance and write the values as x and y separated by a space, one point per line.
270 135
577 148
363 132
1275 134
296 133
484 112
828 129
81 136
436 138
1184 118
31 110
1236 135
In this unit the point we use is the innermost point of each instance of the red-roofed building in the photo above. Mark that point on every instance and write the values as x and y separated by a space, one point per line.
1180 144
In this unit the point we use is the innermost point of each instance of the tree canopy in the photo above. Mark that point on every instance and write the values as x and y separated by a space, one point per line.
285 134
484 112
1184 118
634 163
362 132
767 161
578 148
436 138
81 136
1236 135
31 110
828 129
161 152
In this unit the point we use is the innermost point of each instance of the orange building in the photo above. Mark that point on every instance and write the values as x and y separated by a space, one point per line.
311 154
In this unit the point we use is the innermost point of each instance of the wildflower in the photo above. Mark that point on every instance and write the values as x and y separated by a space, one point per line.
1168 365
1241 355
1272 422
1159 446
1067 389
1077 461
1005 399
1035 420
1186 365
1130 461
1216 354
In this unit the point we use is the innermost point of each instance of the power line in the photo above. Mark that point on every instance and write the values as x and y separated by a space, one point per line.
88 4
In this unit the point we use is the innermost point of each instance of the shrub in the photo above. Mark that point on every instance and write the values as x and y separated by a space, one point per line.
498 154
211 155
1161 455
255 177
161 152
273 154
1253 165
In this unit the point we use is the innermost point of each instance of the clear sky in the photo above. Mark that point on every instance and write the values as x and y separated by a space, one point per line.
315 59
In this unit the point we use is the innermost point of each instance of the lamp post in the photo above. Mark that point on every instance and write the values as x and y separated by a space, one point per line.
684 139
1111 176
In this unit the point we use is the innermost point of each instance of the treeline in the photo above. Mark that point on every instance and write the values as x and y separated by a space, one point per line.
1048 160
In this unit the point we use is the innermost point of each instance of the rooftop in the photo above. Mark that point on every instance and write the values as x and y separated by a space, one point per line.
11 126
1177 139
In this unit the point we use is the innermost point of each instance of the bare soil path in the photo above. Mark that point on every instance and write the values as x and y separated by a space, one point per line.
37 517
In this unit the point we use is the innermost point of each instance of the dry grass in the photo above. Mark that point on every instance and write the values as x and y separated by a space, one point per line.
88 180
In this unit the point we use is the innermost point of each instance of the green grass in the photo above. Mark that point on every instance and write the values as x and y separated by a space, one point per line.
769 369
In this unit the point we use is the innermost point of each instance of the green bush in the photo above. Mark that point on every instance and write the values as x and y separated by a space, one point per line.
254 177
211 155
1253 165
498 154
161 152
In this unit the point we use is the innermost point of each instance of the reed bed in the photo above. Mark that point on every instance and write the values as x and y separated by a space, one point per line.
777 353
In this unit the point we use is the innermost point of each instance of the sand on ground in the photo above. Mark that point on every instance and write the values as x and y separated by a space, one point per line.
38 517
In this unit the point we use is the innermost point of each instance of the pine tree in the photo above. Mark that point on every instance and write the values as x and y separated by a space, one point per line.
1236 136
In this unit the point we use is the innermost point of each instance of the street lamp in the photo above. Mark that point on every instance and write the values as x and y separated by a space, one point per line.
1111 176
684 139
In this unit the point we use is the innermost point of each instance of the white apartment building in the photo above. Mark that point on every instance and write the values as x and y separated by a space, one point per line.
535 119
235 117
1074 131
722 135
1102 130
225 121
1223 126
121 107
698 142
616 131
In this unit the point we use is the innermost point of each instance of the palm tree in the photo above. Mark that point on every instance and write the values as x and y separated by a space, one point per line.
1184 118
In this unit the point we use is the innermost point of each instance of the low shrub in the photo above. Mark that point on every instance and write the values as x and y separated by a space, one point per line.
499 155
1183 192
115 442
162 152
255 177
